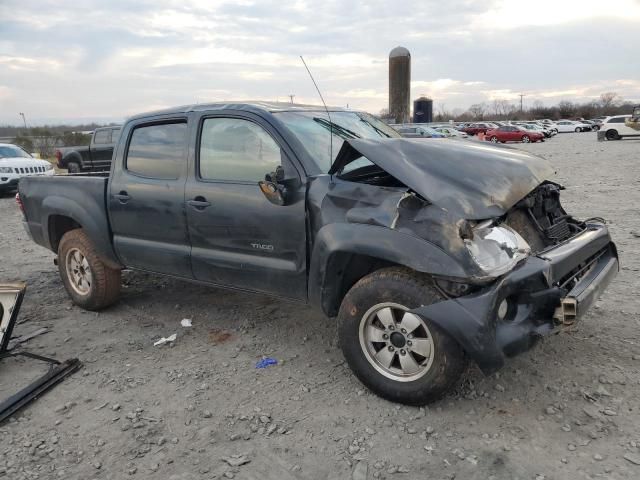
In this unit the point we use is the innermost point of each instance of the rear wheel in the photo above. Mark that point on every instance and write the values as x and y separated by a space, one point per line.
90 283
578 129
612 135
494 139
73 167
398 355
525 139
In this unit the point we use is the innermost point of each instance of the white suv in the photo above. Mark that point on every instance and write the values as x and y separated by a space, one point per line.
16 163
619 126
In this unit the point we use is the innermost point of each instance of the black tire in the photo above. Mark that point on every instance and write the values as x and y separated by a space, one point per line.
612 135
407 288
104 288
494 139
595 128
526 139
73 167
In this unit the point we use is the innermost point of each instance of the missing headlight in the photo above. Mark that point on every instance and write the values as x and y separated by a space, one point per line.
497 250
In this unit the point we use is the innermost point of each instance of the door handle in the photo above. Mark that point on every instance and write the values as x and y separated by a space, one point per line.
199 203
122 197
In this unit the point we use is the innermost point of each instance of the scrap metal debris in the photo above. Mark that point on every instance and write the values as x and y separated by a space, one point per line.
11 297
15 341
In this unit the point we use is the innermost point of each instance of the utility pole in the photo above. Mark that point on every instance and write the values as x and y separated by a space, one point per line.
291 95
521 96
24 119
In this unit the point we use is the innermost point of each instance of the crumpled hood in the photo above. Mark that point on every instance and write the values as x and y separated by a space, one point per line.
473 180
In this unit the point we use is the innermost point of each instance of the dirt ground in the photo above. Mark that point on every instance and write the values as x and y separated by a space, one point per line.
197 409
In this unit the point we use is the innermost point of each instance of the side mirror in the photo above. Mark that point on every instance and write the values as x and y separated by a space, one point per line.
272 187
275 193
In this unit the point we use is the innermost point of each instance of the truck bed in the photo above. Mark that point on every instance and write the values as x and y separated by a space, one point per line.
81 198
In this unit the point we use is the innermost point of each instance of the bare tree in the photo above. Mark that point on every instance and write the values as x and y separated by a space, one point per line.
609 99
502 108
566 109
477 110
443 115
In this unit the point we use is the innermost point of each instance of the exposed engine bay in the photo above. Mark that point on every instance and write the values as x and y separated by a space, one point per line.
541 220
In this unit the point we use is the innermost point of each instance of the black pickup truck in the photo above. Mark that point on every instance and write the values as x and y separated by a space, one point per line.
95 157
430 253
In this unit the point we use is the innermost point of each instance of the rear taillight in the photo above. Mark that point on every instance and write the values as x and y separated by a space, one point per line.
19 202
58 155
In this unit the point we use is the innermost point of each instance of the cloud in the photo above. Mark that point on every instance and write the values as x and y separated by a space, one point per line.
111 59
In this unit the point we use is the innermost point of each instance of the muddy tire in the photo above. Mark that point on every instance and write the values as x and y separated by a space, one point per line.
397 355
90 283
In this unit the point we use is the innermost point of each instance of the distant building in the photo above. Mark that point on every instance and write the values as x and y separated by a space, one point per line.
400 84
423 110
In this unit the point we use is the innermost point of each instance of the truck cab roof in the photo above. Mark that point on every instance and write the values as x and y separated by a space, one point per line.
251 106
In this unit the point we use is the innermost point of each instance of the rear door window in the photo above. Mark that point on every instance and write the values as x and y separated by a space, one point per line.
158 151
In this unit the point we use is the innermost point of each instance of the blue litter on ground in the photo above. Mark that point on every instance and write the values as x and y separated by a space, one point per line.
266 362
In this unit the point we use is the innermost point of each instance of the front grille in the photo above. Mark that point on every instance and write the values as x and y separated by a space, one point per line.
558 232
574 276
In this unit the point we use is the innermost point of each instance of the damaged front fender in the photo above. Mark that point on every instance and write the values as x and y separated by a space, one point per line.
336 242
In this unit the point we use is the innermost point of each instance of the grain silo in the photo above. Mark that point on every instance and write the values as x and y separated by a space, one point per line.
399 84
423 110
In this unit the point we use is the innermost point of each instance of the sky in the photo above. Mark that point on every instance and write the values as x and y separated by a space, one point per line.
74 61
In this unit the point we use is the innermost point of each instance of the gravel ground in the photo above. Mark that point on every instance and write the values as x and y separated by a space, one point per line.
200 409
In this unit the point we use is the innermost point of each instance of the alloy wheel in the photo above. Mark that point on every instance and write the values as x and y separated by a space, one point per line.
397 343
78 271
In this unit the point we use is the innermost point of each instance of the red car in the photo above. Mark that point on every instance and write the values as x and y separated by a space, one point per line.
476 128
512 133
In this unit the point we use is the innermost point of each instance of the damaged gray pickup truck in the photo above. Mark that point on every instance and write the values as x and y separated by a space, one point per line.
430 253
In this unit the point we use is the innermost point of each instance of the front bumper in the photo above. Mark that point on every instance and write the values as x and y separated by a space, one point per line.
8 184
575 272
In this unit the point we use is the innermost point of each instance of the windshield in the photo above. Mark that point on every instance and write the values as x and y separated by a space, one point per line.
12 151
312 129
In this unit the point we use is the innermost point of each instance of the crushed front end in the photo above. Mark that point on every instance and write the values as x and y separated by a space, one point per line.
553 270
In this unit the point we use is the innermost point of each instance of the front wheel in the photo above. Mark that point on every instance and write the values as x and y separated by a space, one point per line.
90 283
525 139
578 129
398 355
612 135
